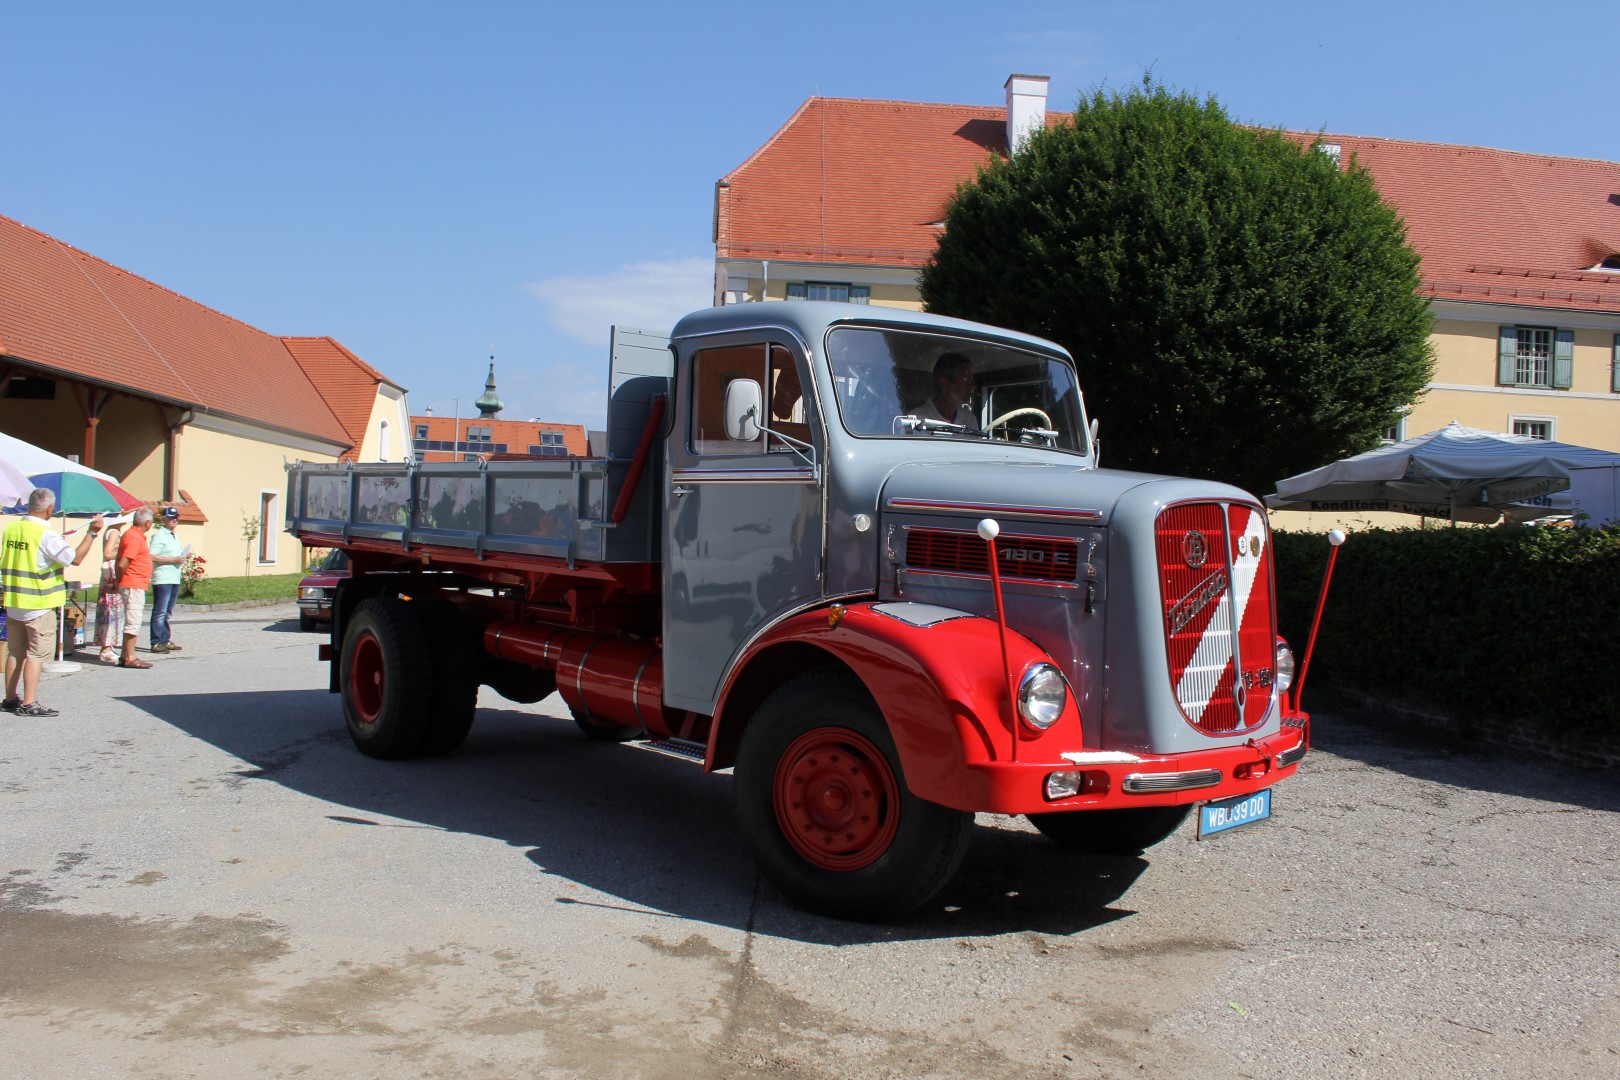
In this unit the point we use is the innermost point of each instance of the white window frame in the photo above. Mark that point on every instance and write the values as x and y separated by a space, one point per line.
1400 432
269 527
1515 419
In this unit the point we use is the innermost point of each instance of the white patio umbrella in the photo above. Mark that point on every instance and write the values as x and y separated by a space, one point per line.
14 485
30 460
1459 473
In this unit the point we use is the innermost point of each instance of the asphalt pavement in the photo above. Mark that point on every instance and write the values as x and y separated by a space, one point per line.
200 877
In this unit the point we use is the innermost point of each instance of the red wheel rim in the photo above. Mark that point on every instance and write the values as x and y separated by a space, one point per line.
837 799
366 679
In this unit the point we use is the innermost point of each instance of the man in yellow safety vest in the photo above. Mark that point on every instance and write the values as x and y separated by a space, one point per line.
31 562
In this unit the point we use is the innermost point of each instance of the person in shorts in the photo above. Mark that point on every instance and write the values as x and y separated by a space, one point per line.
32 559
134 575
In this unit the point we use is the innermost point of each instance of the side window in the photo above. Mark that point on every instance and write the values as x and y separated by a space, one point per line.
778 375
712 371
787 400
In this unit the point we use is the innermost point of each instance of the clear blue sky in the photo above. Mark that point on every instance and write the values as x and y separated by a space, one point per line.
426 181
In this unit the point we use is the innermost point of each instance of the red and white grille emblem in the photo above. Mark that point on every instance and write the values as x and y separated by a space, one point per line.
1218 613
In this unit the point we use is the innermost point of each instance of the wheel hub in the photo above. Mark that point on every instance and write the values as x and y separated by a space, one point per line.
837 799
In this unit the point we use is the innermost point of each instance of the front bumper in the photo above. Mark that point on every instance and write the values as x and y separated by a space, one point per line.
1115 780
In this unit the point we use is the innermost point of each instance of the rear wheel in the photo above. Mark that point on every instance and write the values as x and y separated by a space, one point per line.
1111 832
823 804
386 680
455 676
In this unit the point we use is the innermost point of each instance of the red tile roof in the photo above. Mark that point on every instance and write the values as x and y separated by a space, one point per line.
862 182
347 383
64 309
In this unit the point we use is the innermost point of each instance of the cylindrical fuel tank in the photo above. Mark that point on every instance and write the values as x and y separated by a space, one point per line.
612 680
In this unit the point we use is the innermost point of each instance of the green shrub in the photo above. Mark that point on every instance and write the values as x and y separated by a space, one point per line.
1515 622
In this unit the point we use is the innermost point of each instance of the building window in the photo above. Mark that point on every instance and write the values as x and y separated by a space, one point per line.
839 291
30 388
1396 432
1537 427
269 527
421 431
1535 356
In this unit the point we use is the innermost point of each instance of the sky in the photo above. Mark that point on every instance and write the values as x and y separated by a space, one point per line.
433 183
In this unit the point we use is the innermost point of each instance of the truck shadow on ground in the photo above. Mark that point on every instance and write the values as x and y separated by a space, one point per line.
641 830
1441 757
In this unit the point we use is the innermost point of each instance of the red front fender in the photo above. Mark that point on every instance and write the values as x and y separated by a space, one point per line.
941 687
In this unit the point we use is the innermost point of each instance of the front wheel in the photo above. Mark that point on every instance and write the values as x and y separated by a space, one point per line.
824 806
1111 832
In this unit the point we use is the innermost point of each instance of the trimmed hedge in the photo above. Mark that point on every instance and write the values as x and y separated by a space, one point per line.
1511 622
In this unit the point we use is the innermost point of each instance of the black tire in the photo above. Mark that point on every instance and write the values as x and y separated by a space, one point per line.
516 682
455 676
823 732
1111 832
385 678
306 621
597 731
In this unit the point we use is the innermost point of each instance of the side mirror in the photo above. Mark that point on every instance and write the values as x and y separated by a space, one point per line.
743 401
1096 451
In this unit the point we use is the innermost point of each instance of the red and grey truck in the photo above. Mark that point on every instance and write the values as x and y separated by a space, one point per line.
863 557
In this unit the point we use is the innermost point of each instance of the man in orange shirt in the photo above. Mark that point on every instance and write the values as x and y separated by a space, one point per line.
134 574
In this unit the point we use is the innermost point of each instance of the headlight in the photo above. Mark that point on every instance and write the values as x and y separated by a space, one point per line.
309 594
1041 696
1285 666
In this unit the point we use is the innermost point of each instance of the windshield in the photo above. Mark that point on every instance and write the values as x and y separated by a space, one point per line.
906 384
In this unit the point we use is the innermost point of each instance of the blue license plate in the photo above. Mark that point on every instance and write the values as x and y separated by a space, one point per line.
1227 814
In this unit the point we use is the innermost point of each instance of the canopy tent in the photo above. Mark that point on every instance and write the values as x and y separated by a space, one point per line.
30 460
1458 473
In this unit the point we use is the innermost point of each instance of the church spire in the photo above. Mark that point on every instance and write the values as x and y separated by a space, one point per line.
490 404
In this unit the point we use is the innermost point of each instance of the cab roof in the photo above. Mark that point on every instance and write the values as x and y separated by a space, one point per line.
811 319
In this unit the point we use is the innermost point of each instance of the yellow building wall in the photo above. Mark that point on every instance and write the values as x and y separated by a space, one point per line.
226 473
1586 414
389 406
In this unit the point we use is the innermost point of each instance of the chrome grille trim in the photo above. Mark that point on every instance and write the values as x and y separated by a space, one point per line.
1148 783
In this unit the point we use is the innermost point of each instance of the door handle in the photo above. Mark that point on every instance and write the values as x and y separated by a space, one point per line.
680 489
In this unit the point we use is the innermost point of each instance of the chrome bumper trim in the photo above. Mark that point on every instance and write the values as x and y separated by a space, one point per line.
1290 757
1149 783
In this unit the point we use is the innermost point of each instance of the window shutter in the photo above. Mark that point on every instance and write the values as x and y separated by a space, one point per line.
1614 367
1564 359
1507 355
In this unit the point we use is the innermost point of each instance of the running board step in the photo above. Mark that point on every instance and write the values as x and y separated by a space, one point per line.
681 748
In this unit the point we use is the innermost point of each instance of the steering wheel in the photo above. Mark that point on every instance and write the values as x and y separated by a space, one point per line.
1046 421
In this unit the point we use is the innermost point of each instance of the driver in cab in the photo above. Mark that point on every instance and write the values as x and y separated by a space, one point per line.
953 390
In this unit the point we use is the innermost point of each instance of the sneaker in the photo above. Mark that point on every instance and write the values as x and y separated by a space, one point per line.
171 647
10 704
159 647
34 708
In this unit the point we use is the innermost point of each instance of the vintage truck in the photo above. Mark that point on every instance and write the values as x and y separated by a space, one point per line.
882 621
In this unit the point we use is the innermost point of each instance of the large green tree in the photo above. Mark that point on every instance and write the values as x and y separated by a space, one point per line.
1240 306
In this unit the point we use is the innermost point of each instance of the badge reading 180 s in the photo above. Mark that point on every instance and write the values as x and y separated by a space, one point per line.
1194 548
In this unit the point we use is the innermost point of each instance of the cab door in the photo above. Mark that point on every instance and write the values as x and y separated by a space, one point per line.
743 544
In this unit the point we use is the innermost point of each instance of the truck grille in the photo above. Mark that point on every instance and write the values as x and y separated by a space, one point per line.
1033 558
1220 627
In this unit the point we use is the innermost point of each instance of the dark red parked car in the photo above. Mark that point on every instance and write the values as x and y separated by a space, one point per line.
315 591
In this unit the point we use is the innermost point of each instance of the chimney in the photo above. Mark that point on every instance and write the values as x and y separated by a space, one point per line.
1026 108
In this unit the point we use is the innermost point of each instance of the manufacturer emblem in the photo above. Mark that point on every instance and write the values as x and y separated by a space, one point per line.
1243 545
1194 548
